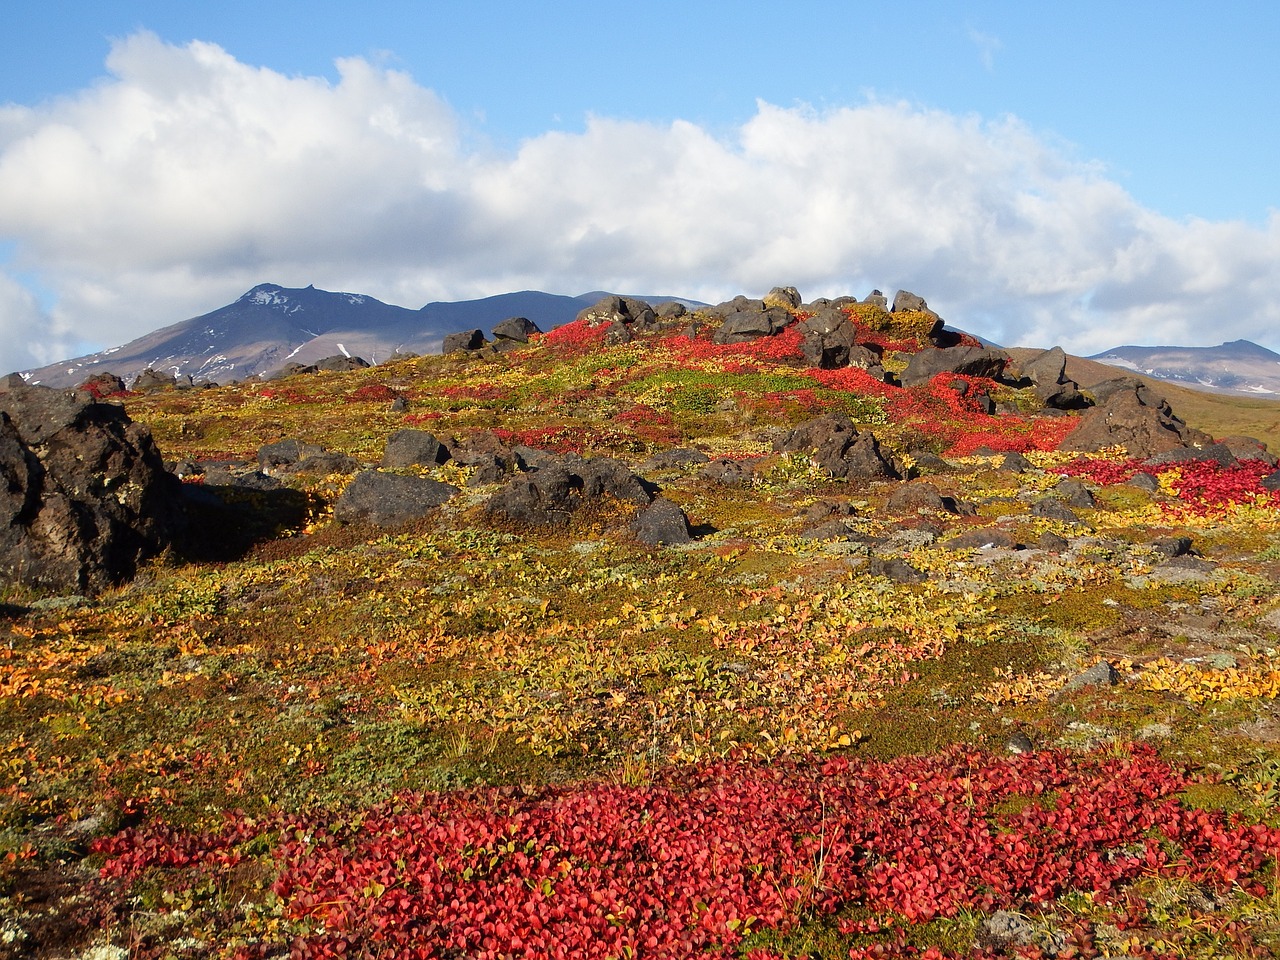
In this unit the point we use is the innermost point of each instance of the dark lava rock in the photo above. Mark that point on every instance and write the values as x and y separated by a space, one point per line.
551 494
388 500
516 328
1075 494
412 448
465 340
838 448
968 361
1129 414
1051 508
1015 463
84 494
1172 546
661 523
338 363
747 325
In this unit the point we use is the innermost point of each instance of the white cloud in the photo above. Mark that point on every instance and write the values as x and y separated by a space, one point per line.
186 177
988 46
27 332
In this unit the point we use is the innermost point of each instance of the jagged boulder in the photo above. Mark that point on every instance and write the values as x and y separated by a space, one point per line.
662 523
963 360
624 311
149 380
837 447
743 325
84 494
413 448
1047 372
338 363
390 500
1131 415
464 340
558 487
517 329
103 385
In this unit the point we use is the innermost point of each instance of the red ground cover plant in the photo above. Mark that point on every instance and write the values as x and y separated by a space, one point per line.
371 393
1201 486
708 854
577 336
953 418
782 346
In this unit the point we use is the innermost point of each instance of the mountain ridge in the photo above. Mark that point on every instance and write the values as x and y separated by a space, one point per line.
271 325
1238 367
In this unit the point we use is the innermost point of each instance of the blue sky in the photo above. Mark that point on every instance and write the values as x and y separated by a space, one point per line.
1086 173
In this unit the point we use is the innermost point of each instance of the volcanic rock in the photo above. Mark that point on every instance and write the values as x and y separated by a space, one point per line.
465 340
517 329
411 448
968 361
84 494
838 448
1135 418
389 500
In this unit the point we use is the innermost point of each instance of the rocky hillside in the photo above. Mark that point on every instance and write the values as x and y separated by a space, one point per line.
774 629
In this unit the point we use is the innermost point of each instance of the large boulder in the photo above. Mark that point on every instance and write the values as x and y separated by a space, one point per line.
413 448
558 488
464 340
623 311
743 325
963 360
84 494
1134 417
516 329
555 488
390 500
338 363
837 447
1047 372
662 523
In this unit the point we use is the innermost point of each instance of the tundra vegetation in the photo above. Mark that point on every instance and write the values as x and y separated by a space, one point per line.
1021 703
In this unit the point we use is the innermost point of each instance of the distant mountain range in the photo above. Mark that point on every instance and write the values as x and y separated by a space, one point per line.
1238 367
270 326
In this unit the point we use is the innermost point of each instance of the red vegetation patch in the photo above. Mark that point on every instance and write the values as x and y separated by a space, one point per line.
577 336
372 393
1201 486
782 346
708 853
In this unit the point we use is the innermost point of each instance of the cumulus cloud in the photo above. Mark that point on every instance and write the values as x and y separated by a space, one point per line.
185 177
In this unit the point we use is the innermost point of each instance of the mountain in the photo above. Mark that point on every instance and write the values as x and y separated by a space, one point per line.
1238 367
272 325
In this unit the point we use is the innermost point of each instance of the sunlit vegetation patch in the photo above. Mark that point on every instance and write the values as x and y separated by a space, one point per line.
461 737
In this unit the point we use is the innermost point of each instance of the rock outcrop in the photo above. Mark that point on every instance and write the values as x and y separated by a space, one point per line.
837 447
84 494
390 500
1131 415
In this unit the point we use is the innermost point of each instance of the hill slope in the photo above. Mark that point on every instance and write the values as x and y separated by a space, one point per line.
271 325
1015 706
1239 367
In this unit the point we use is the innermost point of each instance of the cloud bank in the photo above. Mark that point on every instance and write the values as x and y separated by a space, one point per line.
185 177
